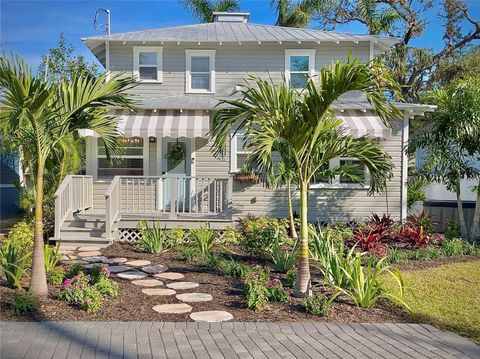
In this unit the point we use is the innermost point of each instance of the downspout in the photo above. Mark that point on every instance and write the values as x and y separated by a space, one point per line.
404 170
107 60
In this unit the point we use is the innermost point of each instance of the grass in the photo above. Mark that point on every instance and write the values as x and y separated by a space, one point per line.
446 296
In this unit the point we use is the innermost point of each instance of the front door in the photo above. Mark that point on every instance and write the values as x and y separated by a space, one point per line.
176 167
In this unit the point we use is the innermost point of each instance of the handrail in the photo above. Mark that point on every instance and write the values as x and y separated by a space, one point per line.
112 206
74 194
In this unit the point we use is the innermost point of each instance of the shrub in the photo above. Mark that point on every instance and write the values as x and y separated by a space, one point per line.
317 305
78 291
384 221
415 236
323 245
367 239
282 259
395 255
236 269
22 233
260 234
452 229
204 238
255 290
106 287
23 302
98 272
154 239
175 236
290 278
13 260
275 291
212 261
51 257
423 220
187 254
231 236
74 270
55 276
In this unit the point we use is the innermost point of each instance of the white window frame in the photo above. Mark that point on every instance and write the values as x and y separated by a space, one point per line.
335 182
136 62
299 52
233 151
188 70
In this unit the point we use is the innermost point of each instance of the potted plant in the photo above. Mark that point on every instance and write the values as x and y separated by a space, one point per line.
175 155
246 175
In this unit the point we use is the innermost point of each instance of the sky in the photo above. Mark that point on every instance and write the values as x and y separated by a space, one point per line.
30 28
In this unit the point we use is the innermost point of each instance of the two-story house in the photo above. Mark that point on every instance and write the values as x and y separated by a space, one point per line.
168 173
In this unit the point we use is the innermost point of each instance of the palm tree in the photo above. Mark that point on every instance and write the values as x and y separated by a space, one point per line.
203 10
38 115
295 14
306 123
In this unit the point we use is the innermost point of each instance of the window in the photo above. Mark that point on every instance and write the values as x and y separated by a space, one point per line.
299 66
238 153
342 181
354 162
147 63
200 71
130 162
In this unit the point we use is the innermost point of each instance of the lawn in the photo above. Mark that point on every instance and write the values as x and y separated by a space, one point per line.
447 296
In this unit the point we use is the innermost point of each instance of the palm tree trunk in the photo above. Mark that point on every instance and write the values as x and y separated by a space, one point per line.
293 230
38 280
302 282
461 215
475 232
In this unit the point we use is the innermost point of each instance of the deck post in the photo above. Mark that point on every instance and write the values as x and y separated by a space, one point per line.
173 188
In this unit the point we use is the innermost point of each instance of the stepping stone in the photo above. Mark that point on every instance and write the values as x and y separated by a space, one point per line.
194 297
182 285
68 257
211 316
73 261
93 265
89 254
158 291
132 275
173 308
116 260
147 282
88 249
138 263
94 259
118 269
169 275
65 251
157 268
65 247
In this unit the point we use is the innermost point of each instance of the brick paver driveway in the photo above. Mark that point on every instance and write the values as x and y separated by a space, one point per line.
229 340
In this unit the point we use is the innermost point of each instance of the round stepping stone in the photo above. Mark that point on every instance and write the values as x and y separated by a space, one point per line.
173 308
182 285
138 263
95 259
74 261
158 291
118 269
194 297
132 275
169 275
147 282
88 249
115 260
68 257
93 265
157 268
89 254
211 316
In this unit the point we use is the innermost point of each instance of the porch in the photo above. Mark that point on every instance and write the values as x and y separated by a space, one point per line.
92 212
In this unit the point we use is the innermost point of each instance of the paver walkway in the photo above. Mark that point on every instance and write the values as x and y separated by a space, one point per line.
228 340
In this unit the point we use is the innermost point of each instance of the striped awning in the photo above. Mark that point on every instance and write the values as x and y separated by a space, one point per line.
160 123
364 123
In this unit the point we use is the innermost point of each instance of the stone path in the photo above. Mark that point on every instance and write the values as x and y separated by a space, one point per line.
228 340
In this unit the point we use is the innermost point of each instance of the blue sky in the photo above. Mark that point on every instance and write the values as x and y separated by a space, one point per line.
30 28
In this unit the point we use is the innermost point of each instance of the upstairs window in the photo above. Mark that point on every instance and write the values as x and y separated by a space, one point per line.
299 66
147 63
200 71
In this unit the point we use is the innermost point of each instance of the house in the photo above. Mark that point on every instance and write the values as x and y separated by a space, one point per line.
168 173
10 174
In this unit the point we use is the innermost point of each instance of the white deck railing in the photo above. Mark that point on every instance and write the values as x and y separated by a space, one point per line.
75 194
172 195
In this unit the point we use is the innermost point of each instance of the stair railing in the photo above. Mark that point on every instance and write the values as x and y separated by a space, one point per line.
112 206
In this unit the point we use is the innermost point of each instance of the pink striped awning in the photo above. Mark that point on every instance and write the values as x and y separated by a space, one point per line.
160 123
358 123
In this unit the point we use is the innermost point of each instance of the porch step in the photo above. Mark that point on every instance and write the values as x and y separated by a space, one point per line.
81 242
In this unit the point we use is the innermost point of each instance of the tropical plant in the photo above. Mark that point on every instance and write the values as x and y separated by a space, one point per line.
212 261
204 238
23 302
52 256
276 292
260 234
236 269
317 305
154 239
13 261
37 115
187 254
55 276
270 113
295 13
283 259
203 10
415 191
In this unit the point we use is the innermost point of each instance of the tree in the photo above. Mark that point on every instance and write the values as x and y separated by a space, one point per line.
37 115
406 20
203 10
295 13
452 143
307 125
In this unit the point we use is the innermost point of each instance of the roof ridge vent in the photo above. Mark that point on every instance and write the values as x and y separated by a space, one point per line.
231 17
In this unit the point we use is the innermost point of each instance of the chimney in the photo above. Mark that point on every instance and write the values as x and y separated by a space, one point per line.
241 17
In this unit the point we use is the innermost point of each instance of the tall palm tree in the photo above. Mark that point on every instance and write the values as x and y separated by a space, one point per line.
203 10
295 13
39 115
306 123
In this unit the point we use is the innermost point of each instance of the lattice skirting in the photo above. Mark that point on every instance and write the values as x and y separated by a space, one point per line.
129 235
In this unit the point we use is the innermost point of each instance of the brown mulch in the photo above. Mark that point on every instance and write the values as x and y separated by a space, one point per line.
132 305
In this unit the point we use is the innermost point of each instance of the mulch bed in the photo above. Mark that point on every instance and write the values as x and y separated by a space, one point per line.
132 305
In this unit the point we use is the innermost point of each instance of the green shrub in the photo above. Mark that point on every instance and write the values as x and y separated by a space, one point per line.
276 292
317 305
106 287
255 290
13 260
51 257
452 229
434 253
203 237
187 254
175 236
396 255
236 269
78 291
212 261
260 234
73 270
55 276
23 302
22 233
290 278
282 259
154 239
231 236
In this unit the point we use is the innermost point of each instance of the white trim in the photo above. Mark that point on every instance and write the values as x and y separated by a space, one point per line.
146 156
371 50
403 188
193 157
136 62
188 68
300 52
107 60
159 156
6 185
233 151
